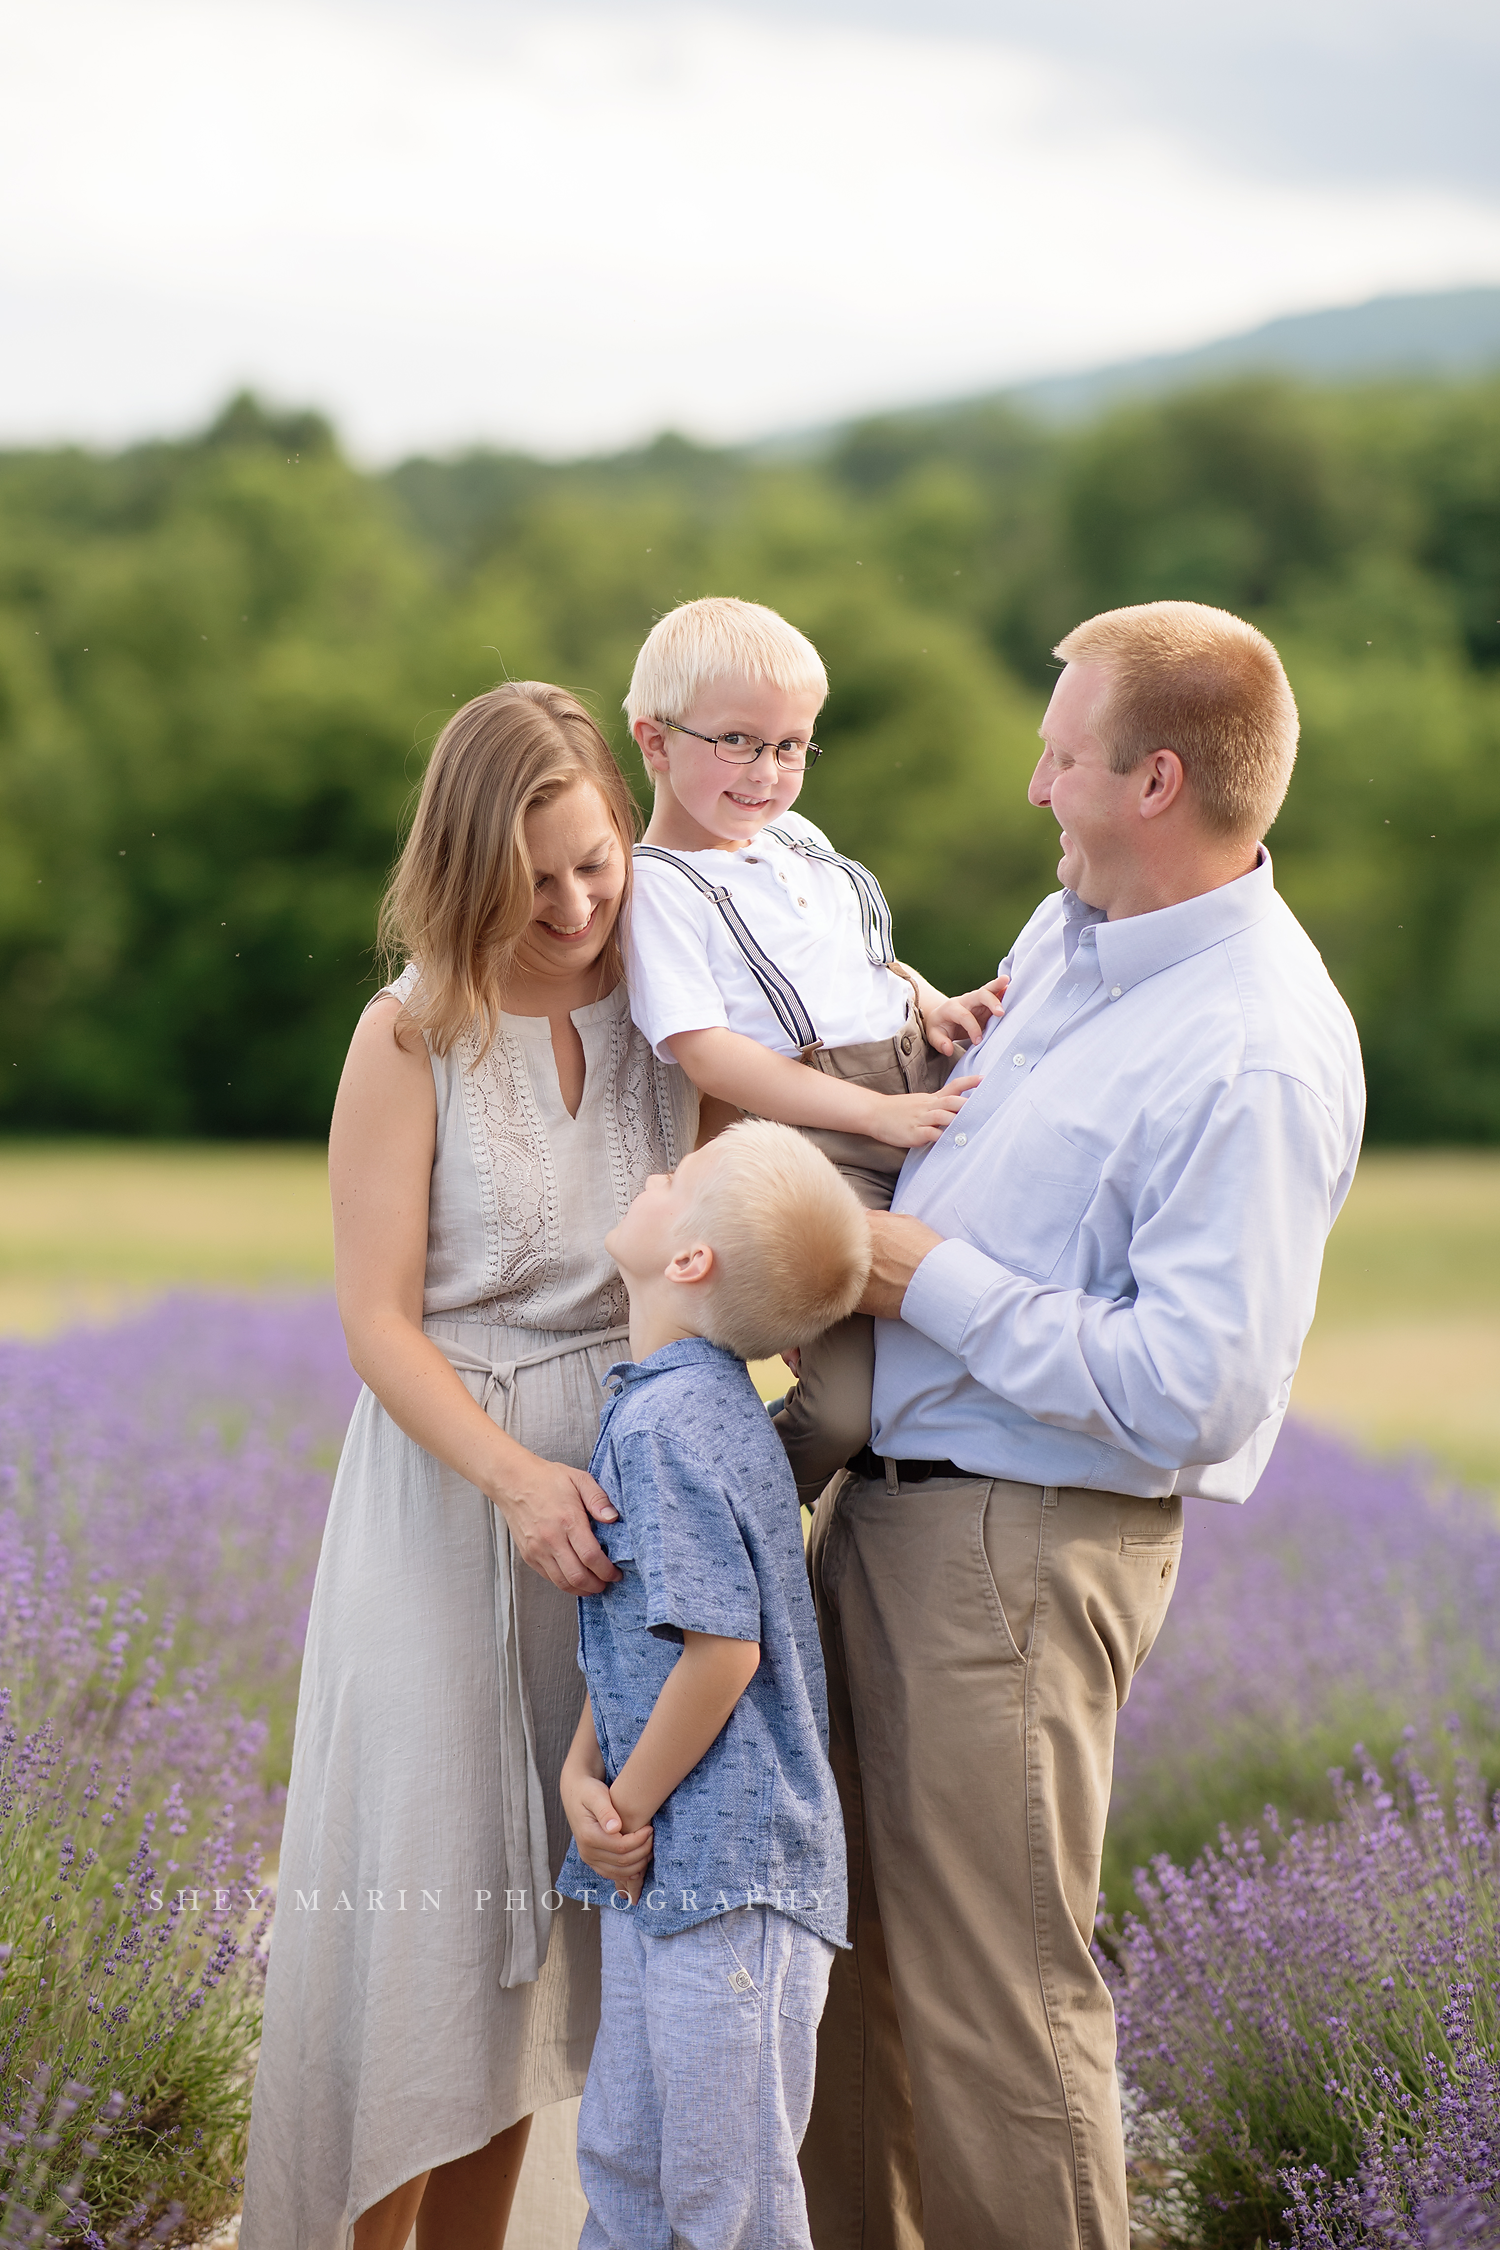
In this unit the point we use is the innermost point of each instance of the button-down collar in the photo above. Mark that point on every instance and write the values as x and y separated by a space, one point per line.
688 1351
1141 944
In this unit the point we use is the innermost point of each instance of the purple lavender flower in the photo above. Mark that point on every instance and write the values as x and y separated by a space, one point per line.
1317 2010
162 1491
1344 1603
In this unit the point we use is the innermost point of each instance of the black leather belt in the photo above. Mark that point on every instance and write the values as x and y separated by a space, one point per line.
868 1463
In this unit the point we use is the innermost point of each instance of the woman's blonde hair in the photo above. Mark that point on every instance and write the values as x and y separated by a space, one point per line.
461 894
790 1243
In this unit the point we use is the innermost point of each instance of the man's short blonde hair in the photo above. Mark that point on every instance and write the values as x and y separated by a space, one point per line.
719 638
1199 681
791 1247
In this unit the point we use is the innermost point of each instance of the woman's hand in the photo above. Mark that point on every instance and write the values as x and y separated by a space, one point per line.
547 1507
964 1018
912 1120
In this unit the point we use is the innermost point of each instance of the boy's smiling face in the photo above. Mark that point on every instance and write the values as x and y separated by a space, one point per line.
702 802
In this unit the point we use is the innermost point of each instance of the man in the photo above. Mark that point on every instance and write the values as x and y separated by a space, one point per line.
1091 1294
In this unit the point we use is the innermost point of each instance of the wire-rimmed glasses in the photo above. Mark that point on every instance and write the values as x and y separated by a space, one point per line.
740 749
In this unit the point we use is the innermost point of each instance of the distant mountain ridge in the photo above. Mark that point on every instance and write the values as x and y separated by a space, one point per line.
1448 333
1452 332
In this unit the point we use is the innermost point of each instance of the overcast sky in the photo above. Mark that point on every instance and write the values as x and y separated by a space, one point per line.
567 227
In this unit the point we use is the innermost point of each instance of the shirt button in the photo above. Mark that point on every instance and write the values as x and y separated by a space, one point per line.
1018 1060
740 1981
779 876
960 1140
802 902
1114 992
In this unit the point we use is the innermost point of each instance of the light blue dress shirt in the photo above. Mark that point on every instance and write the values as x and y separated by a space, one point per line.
1135 1202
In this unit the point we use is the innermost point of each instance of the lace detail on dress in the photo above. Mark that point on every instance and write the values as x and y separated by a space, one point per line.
517 1181
640 1132
638 1120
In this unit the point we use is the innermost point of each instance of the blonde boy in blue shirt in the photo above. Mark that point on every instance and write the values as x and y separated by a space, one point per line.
704 1812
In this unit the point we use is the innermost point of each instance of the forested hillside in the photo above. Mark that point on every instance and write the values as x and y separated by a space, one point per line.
222 663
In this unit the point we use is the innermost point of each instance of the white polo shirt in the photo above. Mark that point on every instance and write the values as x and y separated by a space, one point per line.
687 973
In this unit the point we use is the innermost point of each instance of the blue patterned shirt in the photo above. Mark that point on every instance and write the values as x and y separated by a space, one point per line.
709 1541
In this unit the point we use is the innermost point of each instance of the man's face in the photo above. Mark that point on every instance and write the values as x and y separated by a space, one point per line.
659 1221
729 805
1097 810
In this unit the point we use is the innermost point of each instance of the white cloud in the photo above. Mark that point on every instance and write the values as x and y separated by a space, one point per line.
573 230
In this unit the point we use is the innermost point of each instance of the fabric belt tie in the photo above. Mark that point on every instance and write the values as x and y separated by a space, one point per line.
523 1809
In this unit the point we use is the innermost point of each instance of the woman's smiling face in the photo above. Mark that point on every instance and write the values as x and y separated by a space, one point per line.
579 870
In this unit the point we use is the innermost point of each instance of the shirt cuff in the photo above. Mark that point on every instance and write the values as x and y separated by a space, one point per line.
943 1292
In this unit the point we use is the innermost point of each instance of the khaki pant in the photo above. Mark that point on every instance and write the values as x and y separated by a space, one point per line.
826 1417
980 1637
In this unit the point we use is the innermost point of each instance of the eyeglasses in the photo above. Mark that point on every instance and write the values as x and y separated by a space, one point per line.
738 749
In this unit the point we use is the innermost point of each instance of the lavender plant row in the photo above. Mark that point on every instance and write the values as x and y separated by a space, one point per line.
1311 2014
162 1490
1315 2014
1344 1603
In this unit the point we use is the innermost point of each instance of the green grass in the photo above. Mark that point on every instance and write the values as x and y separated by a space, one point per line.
88 1228
1405 1351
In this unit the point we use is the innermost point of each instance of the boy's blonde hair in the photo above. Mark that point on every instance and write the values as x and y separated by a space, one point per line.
791 1247
1202 682
461 895
719 638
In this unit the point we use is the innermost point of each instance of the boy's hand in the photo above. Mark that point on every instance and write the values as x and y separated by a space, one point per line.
965 1017
617 1856
912 1120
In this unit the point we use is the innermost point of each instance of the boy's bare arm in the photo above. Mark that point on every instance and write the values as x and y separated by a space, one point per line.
965 1016
735 1069
617 1855
692 1711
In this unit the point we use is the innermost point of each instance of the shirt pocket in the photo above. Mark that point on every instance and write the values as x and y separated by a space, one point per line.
1027 1210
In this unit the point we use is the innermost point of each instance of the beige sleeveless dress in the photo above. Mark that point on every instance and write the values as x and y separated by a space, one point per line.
421 1997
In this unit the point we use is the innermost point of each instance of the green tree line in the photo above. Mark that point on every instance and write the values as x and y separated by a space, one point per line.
223 661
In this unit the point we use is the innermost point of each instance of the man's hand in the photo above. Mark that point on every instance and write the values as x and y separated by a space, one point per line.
965 1017
549 1515
899 1245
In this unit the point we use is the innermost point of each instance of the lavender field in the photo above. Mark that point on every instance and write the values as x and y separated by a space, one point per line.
1309 2007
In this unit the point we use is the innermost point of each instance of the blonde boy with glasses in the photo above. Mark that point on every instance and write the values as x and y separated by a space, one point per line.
762 961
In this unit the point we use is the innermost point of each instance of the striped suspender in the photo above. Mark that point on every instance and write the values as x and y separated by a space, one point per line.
874 914
782 996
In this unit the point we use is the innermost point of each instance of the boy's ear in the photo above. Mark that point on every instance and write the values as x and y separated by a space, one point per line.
651 740
692 1265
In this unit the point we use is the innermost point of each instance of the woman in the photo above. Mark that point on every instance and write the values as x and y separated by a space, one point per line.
497 1113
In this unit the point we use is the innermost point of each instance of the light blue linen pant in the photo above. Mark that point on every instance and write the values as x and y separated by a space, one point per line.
699 2090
